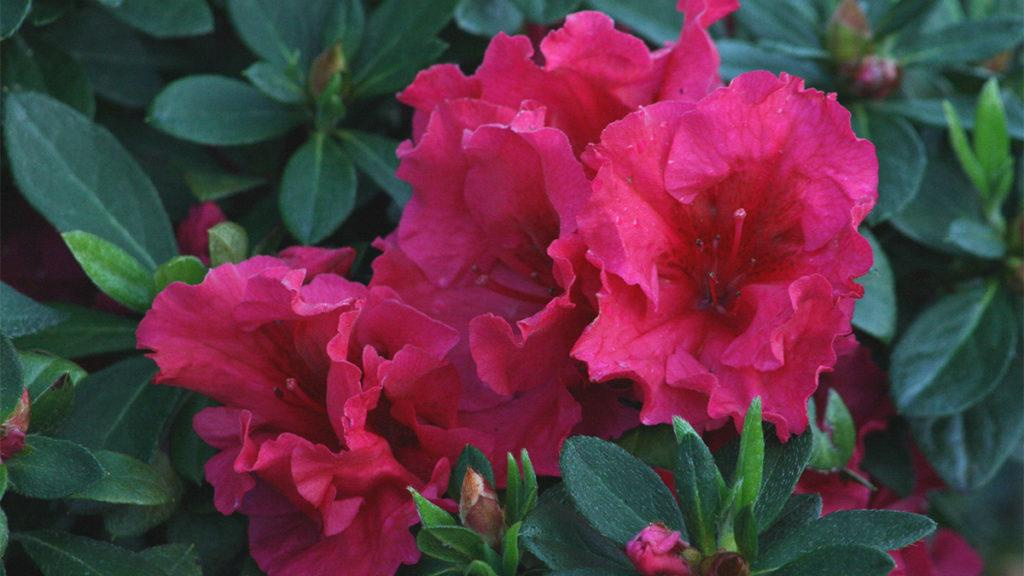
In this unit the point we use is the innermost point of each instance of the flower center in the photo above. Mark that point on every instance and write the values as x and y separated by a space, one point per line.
721 271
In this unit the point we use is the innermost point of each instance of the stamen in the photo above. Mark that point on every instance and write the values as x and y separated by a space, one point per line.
294 394
737 234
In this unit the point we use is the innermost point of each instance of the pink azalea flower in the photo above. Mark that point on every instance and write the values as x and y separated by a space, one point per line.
657 551
726 233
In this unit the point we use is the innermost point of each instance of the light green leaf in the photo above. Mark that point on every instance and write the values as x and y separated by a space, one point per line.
127 481
112 270
187 269
750 465
229 242
318 190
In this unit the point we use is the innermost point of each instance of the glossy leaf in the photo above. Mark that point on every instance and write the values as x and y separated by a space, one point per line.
318 190
187 269
112 270
127 481
49 468
21 315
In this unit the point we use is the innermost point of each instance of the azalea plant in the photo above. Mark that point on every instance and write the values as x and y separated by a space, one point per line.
512 287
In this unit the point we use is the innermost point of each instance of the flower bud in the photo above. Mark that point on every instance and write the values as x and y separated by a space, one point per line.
848 36
330 62
12 433
875 77
658 551
726 564
479 508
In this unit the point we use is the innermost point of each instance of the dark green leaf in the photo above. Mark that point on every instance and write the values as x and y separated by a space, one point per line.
112 270
617 493
278 31
746 531
546 11
875 313
841 561
954 353
345 22
127 481
375 157
739 56
900 15
789 21
166 18
229 242
968 449
80 178
5 534
188 452
556 534
50 468
218 539
129 520
699 486
470 456
318 190
658 22
977 238
961 43
21 315
174 559
51 384
187 269
488 17
12 14
451 543
220 111
273 80
398 42
207 183
901 162
32 63
879 529
62 554
799 510
86 332
930 112
12 379
783 465
119 409
887 458
655 445
48 11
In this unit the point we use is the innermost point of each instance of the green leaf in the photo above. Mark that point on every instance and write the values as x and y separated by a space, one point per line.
86 332
345 22
745 526
80 178
546 11
875 313
658 22
12 14
62 554
832 446
530 489
800 509
655 445
900 15
112 270
220 111
789 21
32 63
5 533
51 384
187 269
967 449
274 81
48 11
21 315
399 41
218 539
207 183
119 409
901 162
955 352
841 561
49 468
187 451
431 515
127 481
166 18
130 520
513 491
470 456
451 543
887 458
479 568
699 486
961 43
229 242
879 529
750 465
556 534
277 31
510 550
991 139
958 141
318 190
977 238
174 559
488 17
375 157
617 493
930 112
12 379
783 465
739 56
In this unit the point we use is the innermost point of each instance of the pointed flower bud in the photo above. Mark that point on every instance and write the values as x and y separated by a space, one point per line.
330 62
479 508
658 551
848 36
12 433
727 564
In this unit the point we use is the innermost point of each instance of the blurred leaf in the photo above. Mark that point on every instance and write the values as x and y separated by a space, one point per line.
930 112
78 176
273 81
345 22
166 18
875 313
32 63
174 559
991 139
887 458
220 111
187 269
48 11
218 539
229 242
188 452
488 17
739 56
375 157
967 449
655 445
127 481
618 494
112 270
964 152
86 332
399 41
21 315
901 162
12 14
789 21
976 238
955 353
51 384
119 409
961 43
276 30
215 184
318 190
62 554
546 11
12 379
841 561
49 468
900 15
655 20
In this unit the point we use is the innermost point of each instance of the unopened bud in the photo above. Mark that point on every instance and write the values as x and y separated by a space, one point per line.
848 36
875 77
726 564
13 430
479 508
658 551
330 62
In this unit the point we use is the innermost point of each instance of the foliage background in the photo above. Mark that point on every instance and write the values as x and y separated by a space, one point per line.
248 103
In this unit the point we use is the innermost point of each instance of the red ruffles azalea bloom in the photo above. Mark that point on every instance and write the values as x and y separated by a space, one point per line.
335 399
726 233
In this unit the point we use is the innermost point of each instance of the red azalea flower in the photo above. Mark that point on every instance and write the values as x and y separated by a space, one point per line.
336 398
193 231
726 232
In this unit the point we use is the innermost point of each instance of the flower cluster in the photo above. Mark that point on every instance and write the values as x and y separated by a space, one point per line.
594 227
